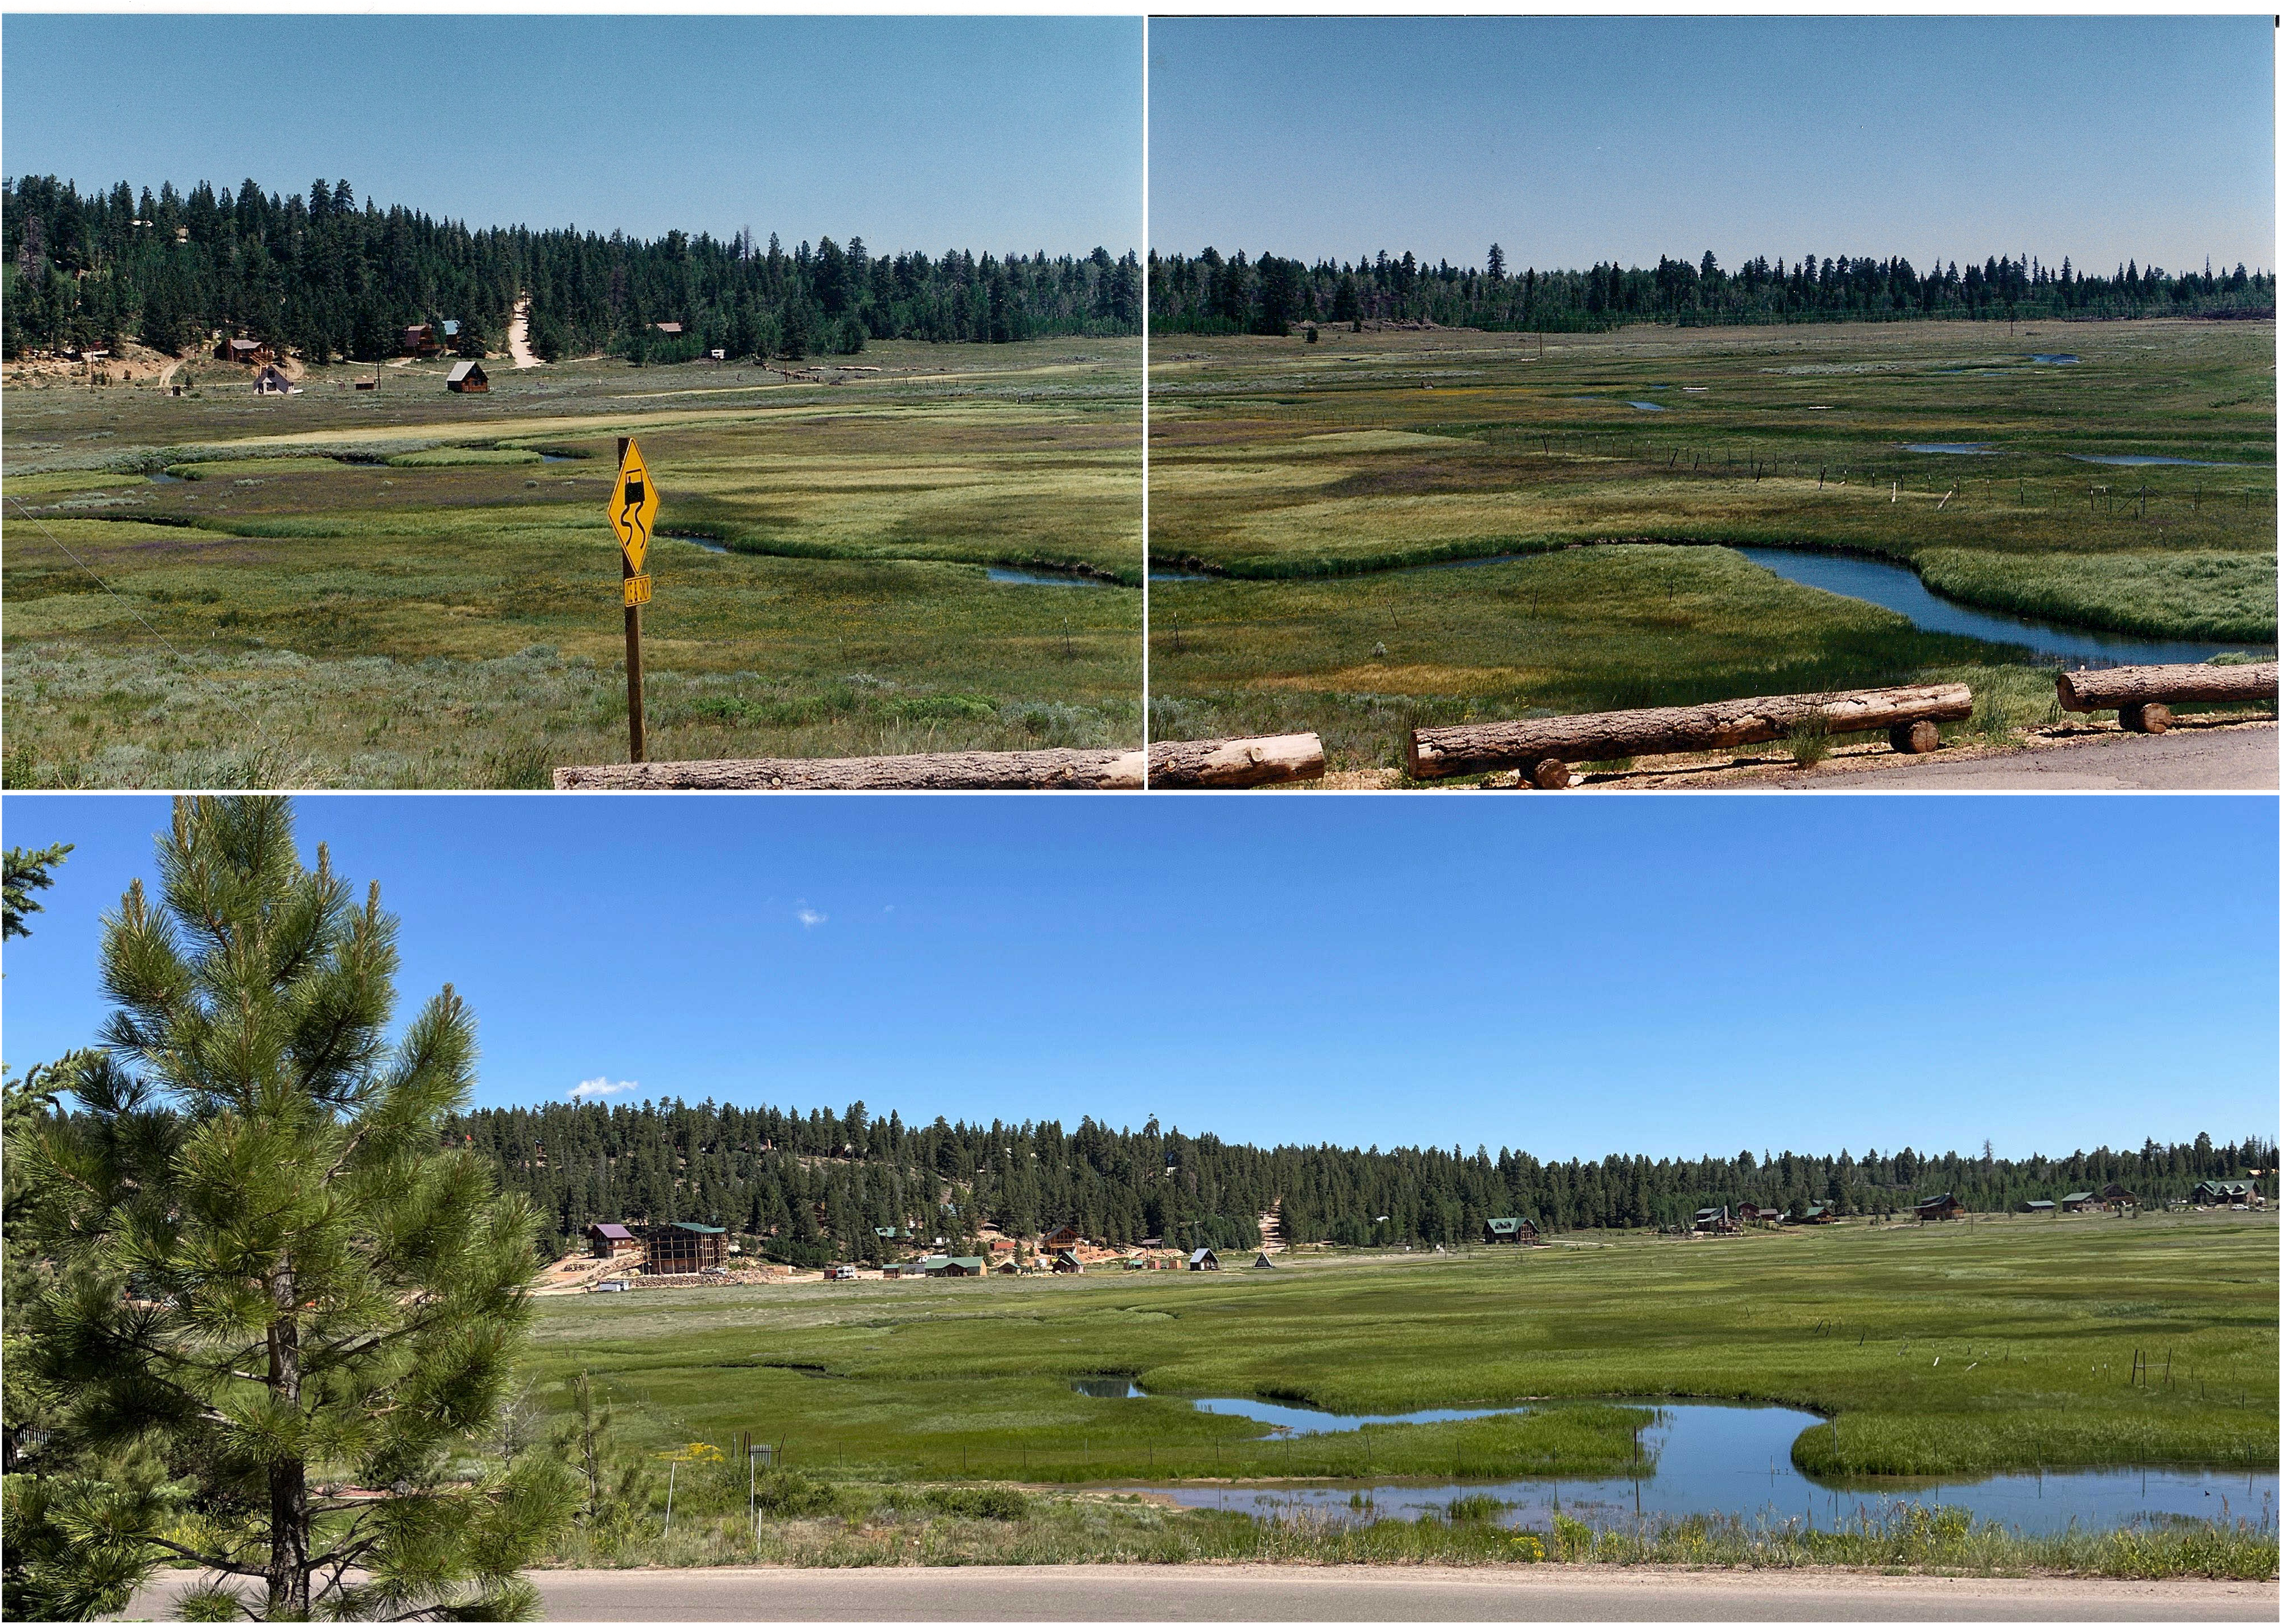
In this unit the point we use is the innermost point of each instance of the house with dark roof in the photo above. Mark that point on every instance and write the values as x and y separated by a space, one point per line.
2225 1193
1713 1221
612 1240
1939 1207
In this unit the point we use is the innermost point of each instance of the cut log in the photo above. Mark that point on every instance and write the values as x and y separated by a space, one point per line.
1914 737
1203 763
1234 764
2151 717
2168 684
970 769
1447 751
1547 774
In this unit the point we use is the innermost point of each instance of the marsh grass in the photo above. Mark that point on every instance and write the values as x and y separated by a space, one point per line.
1808 740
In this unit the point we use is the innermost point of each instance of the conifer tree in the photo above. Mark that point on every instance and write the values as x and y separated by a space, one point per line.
282 1312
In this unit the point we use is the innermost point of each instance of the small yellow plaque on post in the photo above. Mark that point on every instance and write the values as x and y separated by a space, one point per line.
637 591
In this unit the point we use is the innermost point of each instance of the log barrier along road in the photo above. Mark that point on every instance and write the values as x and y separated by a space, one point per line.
1190 764
2141 695
2236 758
1552 1591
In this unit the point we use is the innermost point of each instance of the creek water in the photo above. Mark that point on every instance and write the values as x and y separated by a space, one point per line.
1954 448
1895 587
1733 1459
2148 462
1005 576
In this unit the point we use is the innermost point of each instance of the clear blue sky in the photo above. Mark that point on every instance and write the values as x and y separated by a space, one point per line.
1004 134
1672 976
1574 141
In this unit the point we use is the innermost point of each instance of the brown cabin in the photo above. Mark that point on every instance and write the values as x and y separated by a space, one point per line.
422 341
683 1248
469 378
1066 1263
1508 1232
1939 1207
246 352
612 1240
1065 1239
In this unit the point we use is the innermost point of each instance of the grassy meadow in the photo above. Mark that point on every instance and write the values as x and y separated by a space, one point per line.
1948 1350
408 588
1296 475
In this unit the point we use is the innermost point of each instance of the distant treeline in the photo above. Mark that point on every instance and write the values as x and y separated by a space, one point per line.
818 1185
1211 294
328 277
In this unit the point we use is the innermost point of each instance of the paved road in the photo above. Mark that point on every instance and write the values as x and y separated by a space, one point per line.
1341 1594
2232 758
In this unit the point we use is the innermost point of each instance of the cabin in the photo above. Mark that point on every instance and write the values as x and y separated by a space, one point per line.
2225 1193
1065 1239
245 351
1751 1212
1263 1262
956 1268
421 341
1202 1258
469 378
671 329
894 1235
1818 1213
1713 1221
1009 1267
606 1240
683 1248
1940 1207
270 381
2079 1201
2115 1195
1508 1232
2039 1206
1066 1263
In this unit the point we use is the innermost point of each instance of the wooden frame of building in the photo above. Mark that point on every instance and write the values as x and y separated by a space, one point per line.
683 1248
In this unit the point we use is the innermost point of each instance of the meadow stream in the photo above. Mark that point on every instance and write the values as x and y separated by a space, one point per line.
1725 1459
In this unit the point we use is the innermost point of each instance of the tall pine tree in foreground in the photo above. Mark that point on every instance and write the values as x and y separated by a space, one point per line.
283 1315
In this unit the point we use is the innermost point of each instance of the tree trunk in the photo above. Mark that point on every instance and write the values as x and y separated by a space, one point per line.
972 769
2166 684
1447 751
1234 764
288 1573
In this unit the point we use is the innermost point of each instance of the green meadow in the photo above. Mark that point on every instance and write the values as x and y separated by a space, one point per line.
1949 1350
1299 476
407 588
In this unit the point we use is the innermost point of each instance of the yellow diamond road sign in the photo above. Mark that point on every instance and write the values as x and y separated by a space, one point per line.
633 507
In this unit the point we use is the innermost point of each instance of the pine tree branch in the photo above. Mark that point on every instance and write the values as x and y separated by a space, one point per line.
200 1558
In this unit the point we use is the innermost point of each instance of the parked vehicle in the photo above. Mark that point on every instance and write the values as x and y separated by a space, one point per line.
840 1272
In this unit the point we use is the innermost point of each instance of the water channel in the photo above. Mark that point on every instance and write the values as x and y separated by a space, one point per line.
1732 1459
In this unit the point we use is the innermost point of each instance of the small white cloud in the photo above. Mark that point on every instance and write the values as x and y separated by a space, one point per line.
809 916
594 1087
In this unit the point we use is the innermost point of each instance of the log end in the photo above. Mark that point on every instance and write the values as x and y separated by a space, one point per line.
2068 699
2151 717
1915 737
1548 774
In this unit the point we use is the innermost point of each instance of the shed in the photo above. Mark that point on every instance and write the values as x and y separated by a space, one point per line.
1204 1257
469 378
1009 1267
270 381
671 329
1941 1206
683 1248
1263 1262
612 1240
2078 1201
2039 1206
1508 1232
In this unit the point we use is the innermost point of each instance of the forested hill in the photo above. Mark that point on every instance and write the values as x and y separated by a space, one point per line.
329 277
816 1186
1211 294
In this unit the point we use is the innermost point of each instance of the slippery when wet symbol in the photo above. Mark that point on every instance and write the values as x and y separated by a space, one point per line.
633 507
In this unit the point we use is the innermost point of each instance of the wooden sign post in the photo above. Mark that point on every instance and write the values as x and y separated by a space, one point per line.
632 511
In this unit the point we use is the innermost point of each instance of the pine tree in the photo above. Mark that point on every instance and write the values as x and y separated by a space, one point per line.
278 1300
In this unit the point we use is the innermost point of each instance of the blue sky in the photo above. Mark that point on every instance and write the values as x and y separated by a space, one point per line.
1574 141
1004 134
1673 976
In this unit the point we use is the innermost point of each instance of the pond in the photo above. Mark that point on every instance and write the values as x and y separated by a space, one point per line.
1288 1420
1952 448
1895 587
1644 406
2148 462
1005 576
705 542
2056 360
1177 574
1735 1459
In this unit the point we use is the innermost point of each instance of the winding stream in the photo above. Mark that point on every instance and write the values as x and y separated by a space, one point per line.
1733 1459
